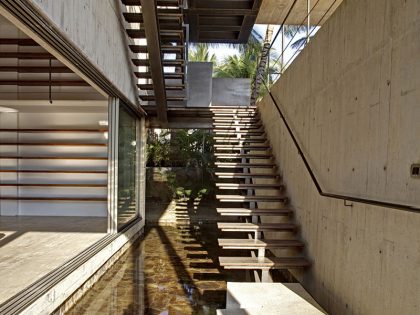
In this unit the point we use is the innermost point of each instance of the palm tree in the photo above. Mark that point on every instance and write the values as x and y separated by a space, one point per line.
242 65
259 75
200 53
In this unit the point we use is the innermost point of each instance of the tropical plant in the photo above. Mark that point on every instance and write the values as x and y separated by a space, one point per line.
259 75
157 147
201 53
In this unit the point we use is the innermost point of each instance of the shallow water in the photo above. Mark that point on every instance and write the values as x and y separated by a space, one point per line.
171 270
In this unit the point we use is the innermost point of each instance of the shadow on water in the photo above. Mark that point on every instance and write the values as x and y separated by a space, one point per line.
170 270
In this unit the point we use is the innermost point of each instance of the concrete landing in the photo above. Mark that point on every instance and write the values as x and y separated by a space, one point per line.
269 298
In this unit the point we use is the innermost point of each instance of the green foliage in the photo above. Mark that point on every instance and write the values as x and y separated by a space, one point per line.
200 53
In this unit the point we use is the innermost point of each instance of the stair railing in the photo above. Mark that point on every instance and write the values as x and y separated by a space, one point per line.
344 197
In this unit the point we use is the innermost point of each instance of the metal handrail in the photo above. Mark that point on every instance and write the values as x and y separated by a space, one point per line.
374 202
345 198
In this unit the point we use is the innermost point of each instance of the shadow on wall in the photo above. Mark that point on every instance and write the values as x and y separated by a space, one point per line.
175 189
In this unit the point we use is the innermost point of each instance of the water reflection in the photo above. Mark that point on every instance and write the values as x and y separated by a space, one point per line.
172 270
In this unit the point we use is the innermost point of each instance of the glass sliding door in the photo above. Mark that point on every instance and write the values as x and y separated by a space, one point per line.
128 153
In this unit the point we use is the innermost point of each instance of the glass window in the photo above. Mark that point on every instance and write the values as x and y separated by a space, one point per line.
127 168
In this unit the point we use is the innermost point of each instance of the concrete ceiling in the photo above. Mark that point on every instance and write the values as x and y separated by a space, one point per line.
274 11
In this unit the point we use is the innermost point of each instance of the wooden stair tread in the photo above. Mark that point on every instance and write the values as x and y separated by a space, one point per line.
256 243
248 186
246 198
250 227
237 140
250 212
239 155
244 165
263 262
260 175
242 146
142 49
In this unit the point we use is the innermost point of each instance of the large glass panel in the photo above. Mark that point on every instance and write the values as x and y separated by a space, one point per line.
127 167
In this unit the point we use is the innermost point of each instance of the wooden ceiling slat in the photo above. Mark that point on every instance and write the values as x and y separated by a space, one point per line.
223 4
18 41
26 55
42 83
34 69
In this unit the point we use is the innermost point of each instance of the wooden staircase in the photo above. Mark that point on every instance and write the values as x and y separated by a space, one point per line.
250 188
170 19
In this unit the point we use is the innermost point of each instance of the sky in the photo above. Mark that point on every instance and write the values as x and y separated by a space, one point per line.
224 51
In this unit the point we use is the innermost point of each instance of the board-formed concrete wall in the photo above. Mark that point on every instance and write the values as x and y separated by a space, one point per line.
353 99
96 28
231 91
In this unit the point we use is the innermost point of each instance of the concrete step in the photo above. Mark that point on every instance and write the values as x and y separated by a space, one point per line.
255 227
252 298
256 244
263 263
251 212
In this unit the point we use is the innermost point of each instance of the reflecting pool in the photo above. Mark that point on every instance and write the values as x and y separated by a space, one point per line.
171 270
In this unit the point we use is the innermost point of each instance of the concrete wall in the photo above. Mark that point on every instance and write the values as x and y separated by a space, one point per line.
200 84
203 90
96 28
352 97
230 91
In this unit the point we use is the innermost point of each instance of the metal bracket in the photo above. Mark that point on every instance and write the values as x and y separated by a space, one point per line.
348 204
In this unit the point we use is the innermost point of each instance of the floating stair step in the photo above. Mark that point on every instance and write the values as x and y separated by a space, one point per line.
263 262
258 244
244 165
233 128
243 134
172 35
246 175
252 227
229 186
149 98
233 120
242 156
166 63
148 75
242 147
221 140
237 124
159 2
167 49
251 212
240 198
149 87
